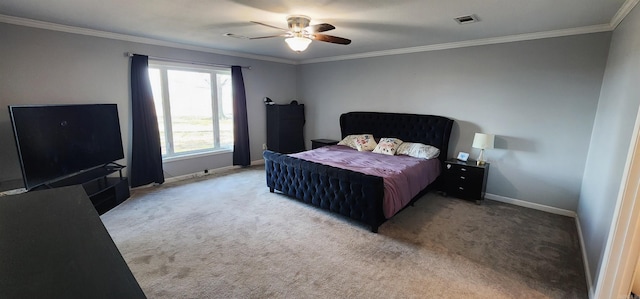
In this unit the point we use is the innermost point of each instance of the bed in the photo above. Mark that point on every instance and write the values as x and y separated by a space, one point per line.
353 194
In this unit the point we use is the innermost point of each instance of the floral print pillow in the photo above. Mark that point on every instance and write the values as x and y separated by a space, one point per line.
350 140
387 146
365 143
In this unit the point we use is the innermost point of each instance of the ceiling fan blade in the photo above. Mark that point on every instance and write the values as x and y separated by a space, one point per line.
270 36
331 39
320 27
271 26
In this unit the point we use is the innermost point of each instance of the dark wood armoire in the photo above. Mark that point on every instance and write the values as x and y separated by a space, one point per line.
285 125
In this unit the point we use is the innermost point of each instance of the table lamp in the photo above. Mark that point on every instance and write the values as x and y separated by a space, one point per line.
482 141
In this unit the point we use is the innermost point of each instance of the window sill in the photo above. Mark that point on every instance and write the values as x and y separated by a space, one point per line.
196 155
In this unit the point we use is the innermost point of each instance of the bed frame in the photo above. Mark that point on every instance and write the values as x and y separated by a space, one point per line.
349 193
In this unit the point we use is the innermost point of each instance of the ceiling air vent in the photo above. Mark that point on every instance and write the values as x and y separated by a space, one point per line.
466 19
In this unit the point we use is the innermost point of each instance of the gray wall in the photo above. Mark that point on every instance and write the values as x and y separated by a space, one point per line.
539 97
612 133
48 67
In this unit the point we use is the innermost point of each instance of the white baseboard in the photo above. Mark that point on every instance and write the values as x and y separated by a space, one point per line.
585 261
530 205
257 162
209 172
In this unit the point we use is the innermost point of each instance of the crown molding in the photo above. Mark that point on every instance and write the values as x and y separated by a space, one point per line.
131 38
470 43
615 21
622 13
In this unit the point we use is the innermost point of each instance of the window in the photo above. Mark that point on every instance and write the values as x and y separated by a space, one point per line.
194 108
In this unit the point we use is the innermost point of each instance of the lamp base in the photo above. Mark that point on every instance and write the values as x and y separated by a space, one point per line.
480 160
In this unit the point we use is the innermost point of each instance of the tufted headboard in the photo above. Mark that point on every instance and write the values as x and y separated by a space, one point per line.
427 129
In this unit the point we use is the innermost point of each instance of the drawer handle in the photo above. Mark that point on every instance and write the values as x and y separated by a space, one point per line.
461 188
462 177
463 169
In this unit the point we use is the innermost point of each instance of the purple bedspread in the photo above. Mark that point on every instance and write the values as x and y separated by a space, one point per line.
404 177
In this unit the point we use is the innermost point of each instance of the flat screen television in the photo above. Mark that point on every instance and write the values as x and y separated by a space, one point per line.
57 141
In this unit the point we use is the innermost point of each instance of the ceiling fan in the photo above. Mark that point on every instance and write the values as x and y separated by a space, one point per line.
300 34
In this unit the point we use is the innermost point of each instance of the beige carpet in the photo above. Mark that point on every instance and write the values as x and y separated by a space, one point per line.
226 236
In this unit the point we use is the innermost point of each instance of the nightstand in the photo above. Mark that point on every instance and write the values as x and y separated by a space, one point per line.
465 180
316 143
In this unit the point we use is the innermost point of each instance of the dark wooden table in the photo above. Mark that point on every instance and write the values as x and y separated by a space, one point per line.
54 245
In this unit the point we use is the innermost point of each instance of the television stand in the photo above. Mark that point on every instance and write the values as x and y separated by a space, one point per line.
105 192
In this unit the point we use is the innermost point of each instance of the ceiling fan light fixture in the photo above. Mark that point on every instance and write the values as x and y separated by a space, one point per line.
299 34
298 43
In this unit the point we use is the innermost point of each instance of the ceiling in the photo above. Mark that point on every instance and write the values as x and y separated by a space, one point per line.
374 26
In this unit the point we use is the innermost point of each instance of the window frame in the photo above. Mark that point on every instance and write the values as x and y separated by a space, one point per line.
216 109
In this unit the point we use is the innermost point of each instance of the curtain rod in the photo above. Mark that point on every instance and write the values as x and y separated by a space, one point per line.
129 54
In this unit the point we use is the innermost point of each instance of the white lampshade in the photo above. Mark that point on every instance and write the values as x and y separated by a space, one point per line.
483 141
297 43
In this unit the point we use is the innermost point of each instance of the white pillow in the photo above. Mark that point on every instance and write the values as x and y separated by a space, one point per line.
418 150
387 146
365 143
350 140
